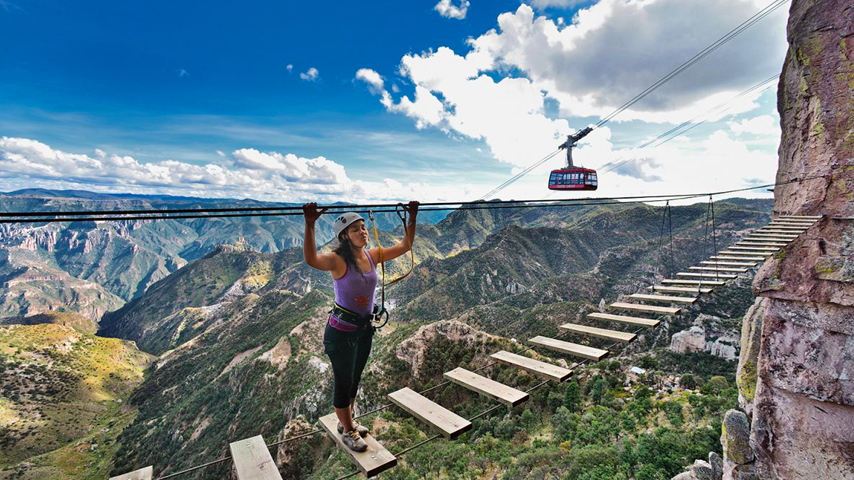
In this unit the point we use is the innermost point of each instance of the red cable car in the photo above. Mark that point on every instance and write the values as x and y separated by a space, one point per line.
572 177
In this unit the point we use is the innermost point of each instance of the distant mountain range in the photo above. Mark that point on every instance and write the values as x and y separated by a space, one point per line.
94 267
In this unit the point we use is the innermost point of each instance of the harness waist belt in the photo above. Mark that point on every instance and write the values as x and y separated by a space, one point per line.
350 317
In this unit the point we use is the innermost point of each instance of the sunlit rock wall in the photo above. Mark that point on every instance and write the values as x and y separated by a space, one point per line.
802 398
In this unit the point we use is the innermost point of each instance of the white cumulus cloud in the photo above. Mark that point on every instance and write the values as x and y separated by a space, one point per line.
448 10
761 125
27 163
372 78
310 75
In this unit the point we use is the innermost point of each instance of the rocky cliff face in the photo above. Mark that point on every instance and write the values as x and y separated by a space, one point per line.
798 381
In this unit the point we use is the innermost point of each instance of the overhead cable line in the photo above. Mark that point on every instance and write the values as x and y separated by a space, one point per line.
297 209
519 175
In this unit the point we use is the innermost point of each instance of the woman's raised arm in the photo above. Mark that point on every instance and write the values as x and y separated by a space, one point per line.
324 262
404 246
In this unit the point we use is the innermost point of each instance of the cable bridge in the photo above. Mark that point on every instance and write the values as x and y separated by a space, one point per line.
251 456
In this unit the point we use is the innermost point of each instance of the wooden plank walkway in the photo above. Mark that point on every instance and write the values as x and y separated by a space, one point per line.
536 367
252 459
485 386
569 348
662 298
372 461
726 276
734 264
646 322
598 332
141 474
714 283
445 421
646 308
719 269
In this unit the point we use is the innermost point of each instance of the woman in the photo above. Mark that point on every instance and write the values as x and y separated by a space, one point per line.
349 333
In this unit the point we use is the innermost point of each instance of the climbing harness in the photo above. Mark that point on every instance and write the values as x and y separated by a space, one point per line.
380 315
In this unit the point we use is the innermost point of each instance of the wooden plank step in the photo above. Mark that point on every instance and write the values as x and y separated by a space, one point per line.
726 276
790 221
725 258
568 348
646 308
372 461
753 253
598 332
760 249
801 217
646 322
719 269
536 367
141 474
445 421
779 230
252 459
662 288
790 224
671 281
773 236
485 386
761 243
767 239
663 298
732 264
785 227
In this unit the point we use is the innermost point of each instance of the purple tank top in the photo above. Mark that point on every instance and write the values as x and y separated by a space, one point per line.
354 293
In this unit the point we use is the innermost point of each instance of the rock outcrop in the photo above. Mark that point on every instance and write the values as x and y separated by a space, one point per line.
707 334
802 398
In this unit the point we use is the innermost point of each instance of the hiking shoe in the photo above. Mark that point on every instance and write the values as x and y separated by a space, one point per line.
363 430
354 441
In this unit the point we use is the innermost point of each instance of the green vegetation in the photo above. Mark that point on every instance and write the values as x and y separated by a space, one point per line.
599 425
58 384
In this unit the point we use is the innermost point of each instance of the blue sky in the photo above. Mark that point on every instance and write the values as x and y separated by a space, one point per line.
215 98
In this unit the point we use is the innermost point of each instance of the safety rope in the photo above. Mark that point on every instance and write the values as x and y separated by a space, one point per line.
380 318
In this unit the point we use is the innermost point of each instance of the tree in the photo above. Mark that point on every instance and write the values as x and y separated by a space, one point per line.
648 362
688 381
572 397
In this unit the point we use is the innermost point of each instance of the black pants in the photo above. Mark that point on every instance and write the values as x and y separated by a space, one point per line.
348 352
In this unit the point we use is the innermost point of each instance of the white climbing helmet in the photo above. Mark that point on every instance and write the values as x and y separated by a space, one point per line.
344 221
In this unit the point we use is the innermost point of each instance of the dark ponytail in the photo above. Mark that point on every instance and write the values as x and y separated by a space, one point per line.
345 250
